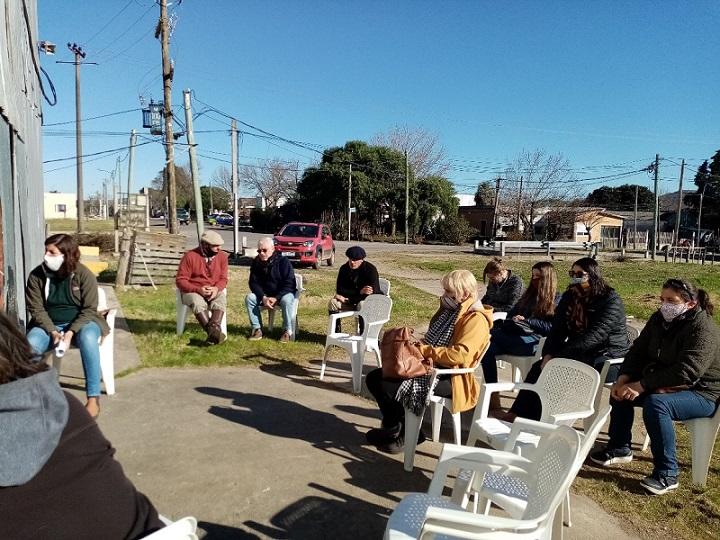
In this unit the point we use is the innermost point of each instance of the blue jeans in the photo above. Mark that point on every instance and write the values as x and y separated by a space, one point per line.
659 411
86 340
286 306
504 343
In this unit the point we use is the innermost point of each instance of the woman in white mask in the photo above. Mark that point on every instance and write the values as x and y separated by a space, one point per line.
672 371
457 335
62 298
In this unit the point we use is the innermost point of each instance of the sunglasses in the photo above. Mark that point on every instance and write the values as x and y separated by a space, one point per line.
577 274
263 250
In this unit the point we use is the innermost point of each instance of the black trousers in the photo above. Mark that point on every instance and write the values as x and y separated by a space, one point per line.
384 390
528 405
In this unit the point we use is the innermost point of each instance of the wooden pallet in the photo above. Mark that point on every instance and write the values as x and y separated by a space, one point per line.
152 258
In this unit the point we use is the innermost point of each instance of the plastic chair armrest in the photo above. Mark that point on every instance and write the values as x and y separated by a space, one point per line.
440 516
525 425
334 317
568 417
452 371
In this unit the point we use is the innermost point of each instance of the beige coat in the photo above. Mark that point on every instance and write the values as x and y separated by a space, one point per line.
469 340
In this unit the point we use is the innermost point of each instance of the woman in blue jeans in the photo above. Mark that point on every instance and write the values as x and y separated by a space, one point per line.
672 371
62 298
529 320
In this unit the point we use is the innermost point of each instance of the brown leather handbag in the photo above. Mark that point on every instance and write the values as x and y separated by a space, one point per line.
400 358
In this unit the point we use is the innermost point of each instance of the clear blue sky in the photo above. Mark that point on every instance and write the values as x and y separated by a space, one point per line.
604 83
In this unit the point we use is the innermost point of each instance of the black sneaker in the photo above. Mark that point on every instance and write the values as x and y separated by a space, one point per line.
611 456
660 485
395 446
378 436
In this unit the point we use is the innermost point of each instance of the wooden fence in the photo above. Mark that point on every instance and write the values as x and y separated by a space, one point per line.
149 258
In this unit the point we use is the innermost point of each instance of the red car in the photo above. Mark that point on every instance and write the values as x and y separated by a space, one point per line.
306 243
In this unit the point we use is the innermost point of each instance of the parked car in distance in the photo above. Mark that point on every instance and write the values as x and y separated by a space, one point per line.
224 219
306 243
183 216
212 218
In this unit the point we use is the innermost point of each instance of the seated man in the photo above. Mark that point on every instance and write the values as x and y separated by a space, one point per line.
357 279
201 278
272 283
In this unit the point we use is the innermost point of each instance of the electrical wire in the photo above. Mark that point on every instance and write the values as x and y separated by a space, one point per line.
132 25
36 64
92 118
96 34
102 152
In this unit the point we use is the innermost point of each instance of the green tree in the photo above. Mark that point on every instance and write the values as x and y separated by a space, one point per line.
485 194
621 198
707 180
433 198
183 185
221 199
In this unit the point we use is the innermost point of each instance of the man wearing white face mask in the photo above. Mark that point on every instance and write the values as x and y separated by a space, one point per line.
62 298
672 371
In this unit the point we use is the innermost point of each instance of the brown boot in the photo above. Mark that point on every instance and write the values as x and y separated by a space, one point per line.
215 334
203 319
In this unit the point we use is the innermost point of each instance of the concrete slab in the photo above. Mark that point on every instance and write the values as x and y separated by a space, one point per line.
272 452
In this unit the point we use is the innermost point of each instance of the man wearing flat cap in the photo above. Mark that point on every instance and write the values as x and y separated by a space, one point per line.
357 279
202 278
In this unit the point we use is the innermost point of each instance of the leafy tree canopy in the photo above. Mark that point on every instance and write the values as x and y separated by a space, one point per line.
485 194
621 198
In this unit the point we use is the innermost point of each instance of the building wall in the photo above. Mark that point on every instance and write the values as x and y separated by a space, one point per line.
60 205
479 217
21 181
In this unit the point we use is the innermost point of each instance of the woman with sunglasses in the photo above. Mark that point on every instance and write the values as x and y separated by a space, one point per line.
526 323
588 326
672 371
62 298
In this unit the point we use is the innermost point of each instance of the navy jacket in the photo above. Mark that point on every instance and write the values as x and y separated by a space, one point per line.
605 335
273 278
350 282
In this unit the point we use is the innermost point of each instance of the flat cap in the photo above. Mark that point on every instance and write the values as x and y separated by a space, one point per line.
355 253
212 238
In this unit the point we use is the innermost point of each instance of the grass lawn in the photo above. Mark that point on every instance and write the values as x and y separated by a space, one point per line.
70 225
689 512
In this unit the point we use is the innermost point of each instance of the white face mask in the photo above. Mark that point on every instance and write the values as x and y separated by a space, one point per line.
449 302
671 311
578 280
54 262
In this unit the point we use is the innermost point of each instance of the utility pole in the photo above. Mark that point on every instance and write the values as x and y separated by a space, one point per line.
234 166
495 208
163 31
212 208
656 213
702 196
519 203
407 197
678 214
349 201
131 161
193 163
635 216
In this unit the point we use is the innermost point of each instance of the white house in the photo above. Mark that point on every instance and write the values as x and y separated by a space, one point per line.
60 205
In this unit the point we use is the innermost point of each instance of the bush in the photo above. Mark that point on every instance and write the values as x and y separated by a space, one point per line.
454 230
104 241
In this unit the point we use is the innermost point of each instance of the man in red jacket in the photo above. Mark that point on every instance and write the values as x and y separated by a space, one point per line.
202 278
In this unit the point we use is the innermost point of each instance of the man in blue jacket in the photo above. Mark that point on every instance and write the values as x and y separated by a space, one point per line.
272 284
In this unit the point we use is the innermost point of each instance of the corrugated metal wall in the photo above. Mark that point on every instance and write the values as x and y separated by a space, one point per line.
21 180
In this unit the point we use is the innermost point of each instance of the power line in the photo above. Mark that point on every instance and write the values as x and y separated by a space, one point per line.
102 152
96 34
92 118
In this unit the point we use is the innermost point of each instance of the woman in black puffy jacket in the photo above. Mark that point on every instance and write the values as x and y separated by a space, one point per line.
589 326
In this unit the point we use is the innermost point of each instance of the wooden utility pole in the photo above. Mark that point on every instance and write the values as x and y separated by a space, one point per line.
407 197
349 201
163 31
678 213
702 196
495 209
656 213
519 203
131 161
200 221
234 169
635 216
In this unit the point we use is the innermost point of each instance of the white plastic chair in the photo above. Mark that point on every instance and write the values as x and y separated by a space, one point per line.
384 286
413 422
511 494
548 477
298 293
107 347
375 312
703 432
521 364
499 315
566 389
181 312
182 529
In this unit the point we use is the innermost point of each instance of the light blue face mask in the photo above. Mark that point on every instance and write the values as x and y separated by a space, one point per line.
578 280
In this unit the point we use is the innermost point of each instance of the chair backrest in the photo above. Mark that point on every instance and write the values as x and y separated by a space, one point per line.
298 285
384 286
499 315
102 299
566 386
182 529
553 471
375 311
632 333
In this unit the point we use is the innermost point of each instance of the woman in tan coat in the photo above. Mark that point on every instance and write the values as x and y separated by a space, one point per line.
456 338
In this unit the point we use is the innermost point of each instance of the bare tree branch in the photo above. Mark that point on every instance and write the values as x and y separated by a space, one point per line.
425 153
272 179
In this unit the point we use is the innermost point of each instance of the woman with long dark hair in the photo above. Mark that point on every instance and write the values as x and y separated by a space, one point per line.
588 326
62 298
530 319
58 478
672 371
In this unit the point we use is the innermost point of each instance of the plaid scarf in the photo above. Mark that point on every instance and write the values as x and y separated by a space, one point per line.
413 393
